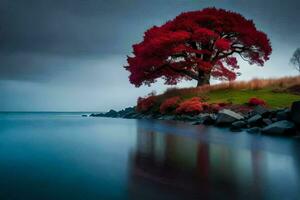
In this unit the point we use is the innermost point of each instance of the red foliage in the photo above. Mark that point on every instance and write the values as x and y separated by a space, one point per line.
222 44
256 101
215 108
169 105
190 106
204 41
145 104
205 105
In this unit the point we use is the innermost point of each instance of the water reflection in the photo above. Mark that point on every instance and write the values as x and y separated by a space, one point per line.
182 167
58 156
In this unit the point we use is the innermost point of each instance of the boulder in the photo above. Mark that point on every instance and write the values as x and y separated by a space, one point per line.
196 123
208 120
238 125
255 120
127 112
227 117
97 115
129 115
295 112
274 119
200 116
267 121
111 113
280 128
136 116
84 115
261 110
283 114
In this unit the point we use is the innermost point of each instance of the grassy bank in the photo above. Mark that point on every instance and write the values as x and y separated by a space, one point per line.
278 93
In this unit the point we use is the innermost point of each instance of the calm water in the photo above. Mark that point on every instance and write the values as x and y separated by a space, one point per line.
64 156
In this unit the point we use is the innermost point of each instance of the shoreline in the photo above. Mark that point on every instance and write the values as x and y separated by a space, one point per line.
260 120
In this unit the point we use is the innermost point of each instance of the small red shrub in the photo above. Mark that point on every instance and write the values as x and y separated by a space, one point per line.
145 104
190 106
215 108
256 101
169 105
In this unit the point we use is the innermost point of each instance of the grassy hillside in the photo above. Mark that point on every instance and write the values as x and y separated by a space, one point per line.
274 99
278 93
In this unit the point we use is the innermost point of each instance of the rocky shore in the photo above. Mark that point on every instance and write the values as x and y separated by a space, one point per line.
285 122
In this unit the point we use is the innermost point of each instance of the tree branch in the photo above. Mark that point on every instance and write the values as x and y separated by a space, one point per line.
185 72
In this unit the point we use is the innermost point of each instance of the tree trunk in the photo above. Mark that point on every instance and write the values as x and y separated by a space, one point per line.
203 79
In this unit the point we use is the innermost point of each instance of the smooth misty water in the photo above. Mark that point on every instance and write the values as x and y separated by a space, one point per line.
65 156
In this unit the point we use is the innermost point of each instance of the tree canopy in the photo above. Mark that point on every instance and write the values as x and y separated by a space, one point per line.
295 60
197 45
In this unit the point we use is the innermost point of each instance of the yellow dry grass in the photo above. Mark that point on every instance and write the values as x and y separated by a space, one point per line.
254 84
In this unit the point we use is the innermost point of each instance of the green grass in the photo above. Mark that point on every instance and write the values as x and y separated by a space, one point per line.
277 92
241 96
273 99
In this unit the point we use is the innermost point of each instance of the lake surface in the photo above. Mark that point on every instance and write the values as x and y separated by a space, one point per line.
65 156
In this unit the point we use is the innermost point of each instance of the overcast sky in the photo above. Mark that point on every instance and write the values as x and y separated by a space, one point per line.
67 55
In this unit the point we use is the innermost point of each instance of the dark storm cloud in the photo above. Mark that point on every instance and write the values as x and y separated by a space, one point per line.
279 18
56 27
86 27
75 27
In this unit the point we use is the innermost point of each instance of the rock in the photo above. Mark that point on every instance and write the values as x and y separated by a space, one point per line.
255 120
129 115
227 117
295 112
232 114
238 125
196 123
267 121
200 116
138 116
254 130
84 115
261 110
111 113
283 115
97 115
274 119
280 128
127 112
208 120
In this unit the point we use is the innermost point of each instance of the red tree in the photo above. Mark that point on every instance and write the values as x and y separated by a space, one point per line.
197 45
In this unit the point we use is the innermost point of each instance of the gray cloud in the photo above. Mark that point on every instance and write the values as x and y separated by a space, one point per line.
81 45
